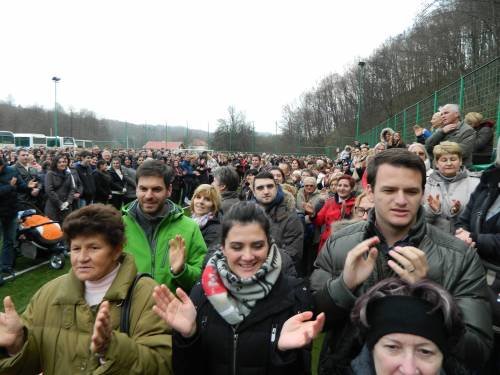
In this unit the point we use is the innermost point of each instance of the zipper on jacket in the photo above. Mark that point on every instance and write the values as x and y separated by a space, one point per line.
273 333
165 255
235 346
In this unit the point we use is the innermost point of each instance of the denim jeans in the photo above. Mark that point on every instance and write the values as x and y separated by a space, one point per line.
8 229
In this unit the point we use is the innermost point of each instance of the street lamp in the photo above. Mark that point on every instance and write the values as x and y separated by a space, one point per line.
56 130
361 65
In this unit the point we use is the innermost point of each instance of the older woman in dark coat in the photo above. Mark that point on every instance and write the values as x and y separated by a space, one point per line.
59 188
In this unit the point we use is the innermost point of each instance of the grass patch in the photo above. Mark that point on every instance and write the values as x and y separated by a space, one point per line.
22 288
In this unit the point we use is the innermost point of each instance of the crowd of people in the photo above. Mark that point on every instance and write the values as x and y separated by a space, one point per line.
217 263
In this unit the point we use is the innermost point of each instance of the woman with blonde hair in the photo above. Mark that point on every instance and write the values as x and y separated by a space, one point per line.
448 188
483 145
205 210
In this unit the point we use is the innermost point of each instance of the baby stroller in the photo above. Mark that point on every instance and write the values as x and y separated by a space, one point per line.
39 233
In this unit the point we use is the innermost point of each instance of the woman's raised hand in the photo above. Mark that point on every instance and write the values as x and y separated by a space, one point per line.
101 335
434 202
11 328
299 330
179 313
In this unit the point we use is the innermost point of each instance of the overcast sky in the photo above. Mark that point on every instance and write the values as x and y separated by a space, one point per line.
186 61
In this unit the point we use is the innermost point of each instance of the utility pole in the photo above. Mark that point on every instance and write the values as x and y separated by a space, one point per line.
56 130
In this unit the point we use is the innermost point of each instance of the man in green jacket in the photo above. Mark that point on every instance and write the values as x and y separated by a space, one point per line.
164 242
396 241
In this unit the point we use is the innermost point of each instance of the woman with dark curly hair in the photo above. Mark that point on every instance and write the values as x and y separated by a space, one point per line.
407 329
246 316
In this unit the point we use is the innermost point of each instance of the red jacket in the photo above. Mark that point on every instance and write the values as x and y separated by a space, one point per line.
332 211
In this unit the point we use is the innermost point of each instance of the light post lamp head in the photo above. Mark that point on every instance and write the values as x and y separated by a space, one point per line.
56 79
361 64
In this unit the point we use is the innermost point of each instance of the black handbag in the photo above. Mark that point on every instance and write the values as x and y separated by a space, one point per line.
127 302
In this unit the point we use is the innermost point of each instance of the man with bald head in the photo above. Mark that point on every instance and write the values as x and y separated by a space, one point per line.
453 130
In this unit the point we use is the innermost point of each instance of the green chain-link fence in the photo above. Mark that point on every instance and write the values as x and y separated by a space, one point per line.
477 91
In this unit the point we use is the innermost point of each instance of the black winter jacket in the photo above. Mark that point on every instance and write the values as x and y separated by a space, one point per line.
211 232
452 264
286 228
485 233
102 186
8 193
88 183
250 348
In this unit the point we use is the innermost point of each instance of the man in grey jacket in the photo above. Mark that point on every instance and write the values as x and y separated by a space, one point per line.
453 130
286 228
396 241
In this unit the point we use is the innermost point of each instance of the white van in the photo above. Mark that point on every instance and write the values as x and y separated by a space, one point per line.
6 139
61 142
29 140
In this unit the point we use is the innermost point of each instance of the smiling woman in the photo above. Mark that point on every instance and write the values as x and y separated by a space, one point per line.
205 206
242 318
82 310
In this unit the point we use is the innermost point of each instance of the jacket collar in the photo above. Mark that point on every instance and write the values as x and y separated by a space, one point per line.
73 292
229 194
415 235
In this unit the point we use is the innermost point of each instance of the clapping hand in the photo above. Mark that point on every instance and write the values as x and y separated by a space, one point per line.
409 263
360 262
101 336
434 202
177 254
464 236
299 330
448 128
32 184
308 208
178 313
456 205
11 328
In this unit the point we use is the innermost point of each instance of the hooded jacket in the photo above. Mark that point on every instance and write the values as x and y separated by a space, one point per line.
153 256
59 325
458 188
452 264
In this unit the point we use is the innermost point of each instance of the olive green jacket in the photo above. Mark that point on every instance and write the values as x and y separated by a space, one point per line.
59 324
452 265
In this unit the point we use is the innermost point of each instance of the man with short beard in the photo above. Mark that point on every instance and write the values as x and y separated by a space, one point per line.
165 243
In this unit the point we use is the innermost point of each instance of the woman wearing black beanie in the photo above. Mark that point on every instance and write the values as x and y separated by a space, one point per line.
407 329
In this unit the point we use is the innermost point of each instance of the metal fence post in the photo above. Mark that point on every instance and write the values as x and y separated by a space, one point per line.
461 94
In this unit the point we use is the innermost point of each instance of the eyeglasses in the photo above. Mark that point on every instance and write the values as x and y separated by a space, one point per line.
262 187
309 185
361 211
